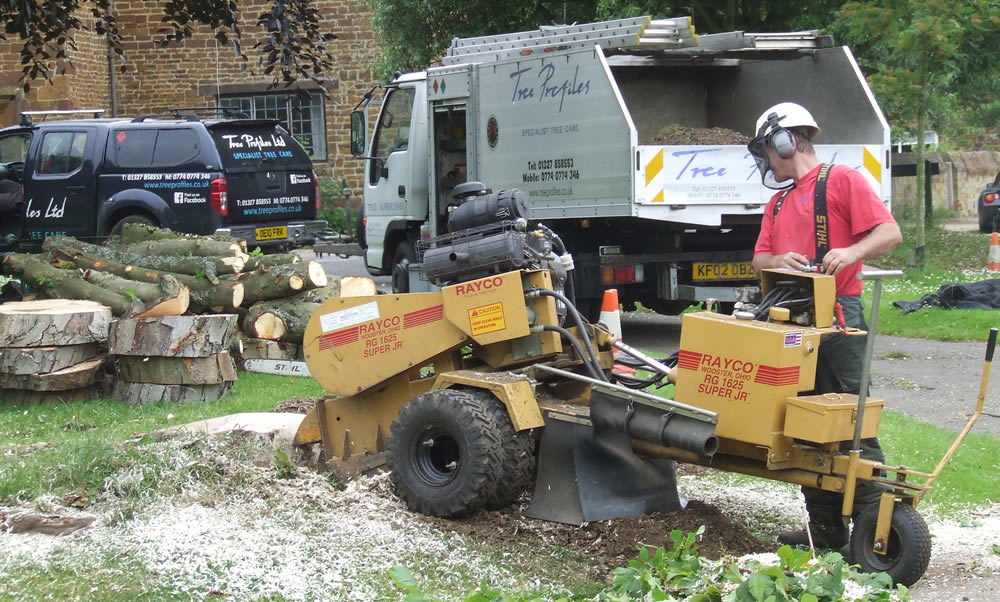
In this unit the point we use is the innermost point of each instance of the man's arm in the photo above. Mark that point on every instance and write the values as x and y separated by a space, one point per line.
880 240
790 260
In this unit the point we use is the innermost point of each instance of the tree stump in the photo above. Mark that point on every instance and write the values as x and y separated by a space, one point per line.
173 336
270 350
26 397
53 322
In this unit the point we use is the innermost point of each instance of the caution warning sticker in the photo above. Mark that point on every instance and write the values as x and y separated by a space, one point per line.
487 318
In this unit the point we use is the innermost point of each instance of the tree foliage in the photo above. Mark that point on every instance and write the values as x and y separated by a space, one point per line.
293 45
917 55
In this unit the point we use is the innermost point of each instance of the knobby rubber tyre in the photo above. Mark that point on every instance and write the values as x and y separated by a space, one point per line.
517 473
909 545
445 453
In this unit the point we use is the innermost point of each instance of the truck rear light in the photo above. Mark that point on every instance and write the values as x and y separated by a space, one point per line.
992 197
316 190
219 196
622 274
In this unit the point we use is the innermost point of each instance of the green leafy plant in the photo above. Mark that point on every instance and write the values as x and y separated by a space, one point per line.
131 296
663 573
257 252
44 281
283 466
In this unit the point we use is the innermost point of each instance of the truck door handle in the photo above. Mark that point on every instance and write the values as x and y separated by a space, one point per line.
401 191
76 188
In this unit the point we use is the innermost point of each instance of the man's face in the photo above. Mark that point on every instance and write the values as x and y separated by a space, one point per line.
775 172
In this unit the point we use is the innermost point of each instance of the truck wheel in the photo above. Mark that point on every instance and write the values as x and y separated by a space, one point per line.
116 230
517 473
403 256
909 550
445 455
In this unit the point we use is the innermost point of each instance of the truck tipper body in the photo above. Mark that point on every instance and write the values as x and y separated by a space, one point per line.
572 117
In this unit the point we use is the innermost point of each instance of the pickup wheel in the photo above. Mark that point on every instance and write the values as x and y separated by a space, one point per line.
116 230
403 256
445 453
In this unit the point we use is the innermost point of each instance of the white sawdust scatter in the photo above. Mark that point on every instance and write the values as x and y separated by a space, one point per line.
317 543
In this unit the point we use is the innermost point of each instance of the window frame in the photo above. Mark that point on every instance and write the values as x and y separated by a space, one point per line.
248 104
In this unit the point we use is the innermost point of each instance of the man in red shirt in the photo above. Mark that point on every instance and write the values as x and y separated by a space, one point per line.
858 227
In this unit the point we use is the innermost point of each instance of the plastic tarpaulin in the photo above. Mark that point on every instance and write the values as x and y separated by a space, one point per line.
984 294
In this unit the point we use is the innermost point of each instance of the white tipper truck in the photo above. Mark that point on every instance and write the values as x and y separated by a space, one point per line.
570 116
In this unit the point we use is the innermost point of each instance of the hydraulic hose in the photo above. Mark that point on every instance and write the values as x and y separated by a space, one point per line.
594 373
560 247
579 321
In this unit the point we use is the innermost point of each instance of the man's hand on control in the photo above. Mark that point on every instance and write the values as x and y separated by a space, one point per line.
791 260
836 260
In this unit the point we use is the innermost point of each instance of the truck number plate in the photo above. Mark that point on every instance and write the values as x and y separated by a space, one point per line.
735 270
272 233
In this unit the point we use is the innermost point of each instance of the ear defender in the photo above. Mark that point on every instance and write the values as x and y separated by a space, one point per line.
780 139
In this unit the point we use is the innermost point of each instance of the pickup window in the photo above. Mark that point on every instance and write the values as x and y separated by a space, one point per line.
62 152
154 147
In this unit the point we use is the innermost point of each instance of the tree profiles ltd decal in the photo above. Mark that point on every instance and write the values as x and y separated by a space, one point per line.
492 131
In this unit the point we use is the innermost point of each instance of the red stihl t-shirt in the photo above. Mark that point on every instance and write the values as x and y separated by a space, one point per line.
852 208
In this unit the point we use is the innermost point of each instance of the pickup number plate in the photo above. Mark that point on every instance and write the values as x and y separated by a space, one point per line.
736 270
272 233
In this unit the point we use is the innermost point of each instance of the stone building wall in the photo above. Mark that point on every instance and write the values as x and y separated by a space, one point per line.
192 72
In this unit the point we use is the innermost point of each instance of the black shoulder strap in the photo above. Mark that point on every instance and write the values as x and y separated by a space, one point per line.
779 203
819 211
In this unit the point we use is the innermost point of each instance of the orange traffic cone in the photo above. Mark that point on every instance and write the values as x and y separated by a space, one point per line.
610 315
994 263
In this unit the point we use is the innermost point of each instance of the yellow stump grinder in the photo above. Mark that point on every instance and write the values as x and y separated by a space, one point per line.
494 384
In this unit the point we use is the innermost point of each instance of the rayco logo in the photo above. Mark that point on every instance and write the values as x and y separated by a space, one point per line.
725 363
476 286
377 325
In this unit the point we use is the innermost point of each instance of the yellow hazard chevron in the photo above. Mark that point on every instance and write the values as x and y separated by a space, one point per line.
873 165
654 167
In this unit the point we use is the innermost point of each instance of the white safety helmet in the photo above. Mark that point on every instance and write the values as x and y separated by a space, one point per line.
772 130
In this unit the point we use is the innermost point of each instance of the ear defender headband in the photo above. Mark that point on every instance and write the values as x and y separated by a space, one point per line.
780 139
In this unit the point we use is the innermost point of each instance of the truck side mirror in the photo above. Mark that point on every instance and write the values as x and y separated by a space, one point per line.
358 131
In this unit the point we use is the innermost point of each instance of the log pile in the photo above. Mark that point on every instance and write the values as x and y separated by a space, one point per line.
173 358
52 350
149 272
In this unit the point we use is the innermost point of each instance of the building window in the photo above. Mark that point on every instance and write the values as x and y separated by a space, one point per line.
304 119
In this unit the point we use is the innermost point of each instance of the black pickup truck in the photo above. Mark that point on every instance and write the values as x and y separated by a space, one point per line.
86 178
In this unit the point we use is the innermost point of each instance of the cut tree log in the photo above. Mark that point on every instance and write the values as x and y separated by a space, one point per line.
270 350
263 261
42 360
204 295
279 320
28 521
136 233
65 284
53 322
74 377
173 336
169 298
26 397
216 368
143 393
197 247
280 281
209 267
